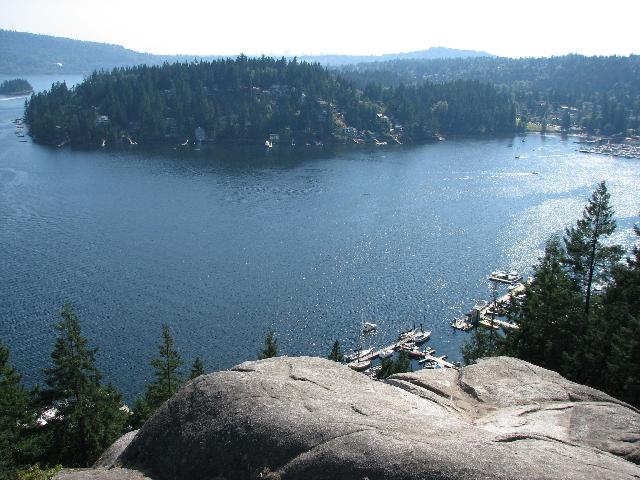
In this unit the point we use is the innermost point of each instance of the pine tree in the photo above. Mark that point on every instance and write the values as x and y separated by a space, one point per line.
270 346
336 352
389 367
197 369
89 417
166 383
16 416
588 258
616 366
549 316
480 345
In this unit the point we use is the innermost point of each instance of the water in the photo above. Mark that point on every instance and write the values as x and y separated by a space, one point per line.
223 243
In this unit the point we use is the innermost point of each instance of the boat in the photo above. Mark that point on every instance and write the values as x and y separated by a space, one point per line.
461 324
358 354
359 366
369 327
416 353
408 335
422 337
268 144
429 363
505 277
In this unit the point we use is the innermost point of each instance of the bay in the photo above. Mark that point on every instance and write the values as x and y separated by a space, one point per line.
225 242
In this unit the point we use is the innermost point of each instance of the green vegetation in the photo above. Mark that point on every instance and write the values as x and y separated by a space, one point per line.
388 366
246 100
34 472
16 416
588 258
88 416
197 369
564 326
167 380
17 86
336 352
270 346
591 94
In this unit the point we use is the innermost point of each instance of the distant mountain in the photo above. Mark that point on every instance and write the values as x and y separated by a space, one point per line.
27 53
431 53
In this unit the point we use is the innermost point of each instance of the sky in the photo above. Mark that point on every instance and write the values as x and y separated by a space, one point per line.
372 27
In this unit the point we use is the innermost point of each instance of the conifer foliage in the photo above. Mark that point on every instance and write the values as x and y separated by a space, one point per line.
16 416
167 379
89 416
270 348
591 338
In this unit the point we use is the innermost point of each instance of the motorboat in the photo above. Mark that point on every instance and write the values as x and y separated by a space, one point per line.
358 354
422 337
369 327
461 324
359 366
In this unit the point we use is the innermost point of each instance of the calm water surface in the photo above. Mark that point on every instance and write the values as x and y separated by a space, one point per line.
223 243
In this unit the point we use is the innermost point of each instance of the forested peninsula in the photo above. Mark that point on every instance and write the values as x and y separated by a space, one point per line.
248 100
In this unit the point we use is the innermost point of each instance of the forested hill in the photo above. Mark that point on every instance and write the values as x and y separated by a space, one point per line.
27 53
247 100
603 93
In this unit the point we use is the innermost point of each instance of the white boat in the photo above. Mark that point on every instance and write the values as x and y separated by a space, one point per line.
505 277
461 324
369 327
408 335
422 337
358 354
268 144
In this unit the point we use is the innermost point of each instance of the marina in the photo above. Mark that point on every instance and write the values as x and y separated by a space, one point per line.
623 150
408 341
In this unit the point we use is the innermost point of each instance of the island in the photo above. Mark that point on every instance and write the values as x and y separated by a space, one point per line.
16 87
264 101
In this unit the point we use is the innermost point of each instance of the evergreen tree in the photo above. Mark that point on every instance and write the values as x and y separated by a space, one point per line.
389 367
615 366
480 345
270 346
197 369
166 383
336 352
16 416
588 258
549 316
89 417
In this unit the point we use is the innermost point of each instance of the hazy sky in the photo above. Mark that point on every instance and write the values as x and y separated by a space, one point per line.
509 28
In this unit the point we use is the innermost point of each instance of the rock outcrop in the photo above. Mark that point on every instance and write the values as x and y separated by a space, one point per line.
309 418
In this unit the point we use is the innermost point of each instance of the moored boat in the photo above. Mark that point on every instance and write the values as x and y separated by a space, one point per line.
359 366
422 336
358 354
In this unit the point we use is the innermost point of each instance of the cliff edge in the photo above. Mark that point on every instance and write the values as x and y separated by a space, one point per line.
309 418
